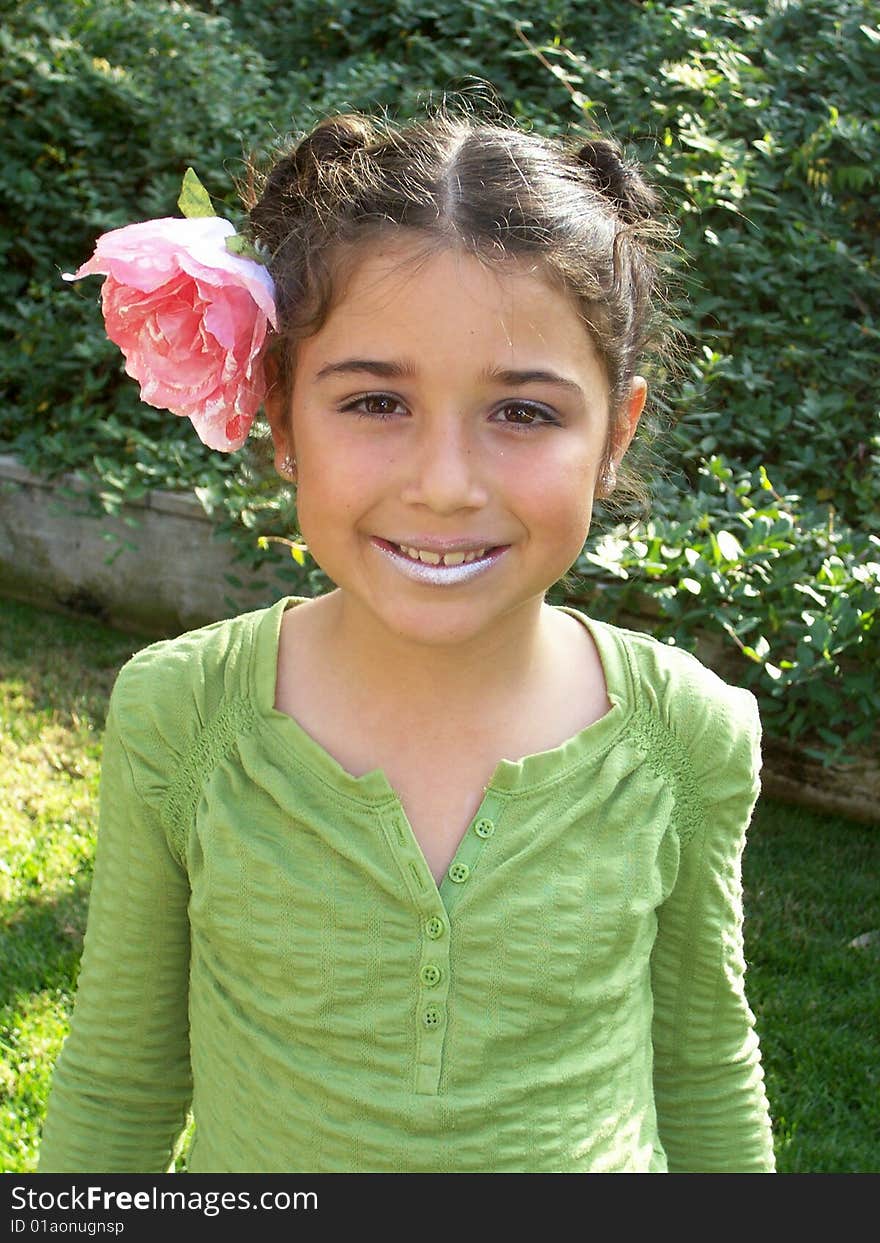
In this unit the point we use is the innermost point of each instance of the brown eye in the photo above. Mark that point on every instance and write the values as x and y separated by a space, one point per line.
526 414
374 406
378 404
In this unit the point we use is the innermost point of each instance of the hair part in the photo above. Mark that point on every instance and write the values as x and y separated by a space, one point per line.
582 214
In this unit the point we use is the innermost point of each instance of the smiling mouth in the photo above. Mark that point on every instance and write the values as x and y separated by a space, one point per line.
426 566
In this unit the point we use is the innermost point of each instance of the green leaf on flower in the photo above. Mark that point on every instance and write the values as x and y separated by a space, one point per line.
240 245
194 199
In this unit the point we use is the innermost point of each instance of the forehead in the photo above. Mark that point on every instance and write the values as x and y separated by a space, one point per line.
405 296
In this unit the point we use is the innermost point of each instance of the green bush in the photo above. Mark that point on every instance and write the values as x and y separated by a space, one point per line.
382 54
104 106
758 121
796 598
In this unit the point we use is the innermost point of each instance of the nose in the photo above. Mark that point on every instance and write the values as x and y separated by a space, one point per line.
446 471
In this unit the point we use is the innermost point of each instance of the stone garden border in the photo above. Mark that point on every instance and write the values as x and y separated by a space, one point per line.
155 569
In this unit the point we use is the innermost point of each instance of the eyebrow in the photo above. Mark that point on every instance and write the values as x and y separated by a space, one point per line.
373 366
394 371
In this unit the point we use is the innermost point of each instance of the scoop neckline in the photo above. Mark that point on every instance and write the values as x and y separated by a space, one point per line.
510 776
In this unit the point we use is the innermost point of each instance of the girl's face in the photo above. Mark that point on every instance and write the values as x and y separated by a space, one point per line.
447 410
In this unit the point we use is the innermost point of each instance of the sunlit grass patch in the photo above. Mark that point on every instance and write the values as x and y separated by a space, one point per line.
56 673
31 1032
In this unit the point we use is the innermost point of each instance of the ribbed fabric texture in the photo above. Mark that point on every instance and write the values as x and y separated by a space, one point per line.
266 942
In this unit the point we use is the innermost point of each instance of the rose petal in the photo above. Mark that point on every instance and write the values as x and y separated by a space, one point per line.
223 319
191 320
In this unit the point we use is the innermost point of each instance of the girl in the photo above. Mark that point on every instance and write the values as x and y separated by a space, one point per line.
425 874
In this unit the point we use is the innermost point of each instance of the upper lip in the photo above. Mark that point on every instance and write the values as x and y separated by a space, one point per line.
444 546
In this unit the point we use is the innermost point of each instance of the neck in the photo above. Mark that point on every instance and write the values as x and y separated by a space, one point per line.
393 672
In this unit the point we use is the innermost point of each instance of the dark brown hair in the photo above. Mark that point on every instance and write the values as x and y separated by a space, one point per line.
491 188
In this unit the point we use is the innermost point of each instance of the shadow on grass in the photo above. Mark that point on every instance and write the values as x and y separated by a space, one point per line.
67 664
812 937
41 941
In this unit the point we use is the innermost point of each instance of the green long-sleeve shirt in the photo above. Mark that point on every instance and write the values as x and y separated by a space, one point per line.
266 942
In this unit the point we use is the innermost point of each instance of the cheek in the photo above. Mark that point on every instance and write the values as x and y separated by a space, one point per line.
336 488
558 491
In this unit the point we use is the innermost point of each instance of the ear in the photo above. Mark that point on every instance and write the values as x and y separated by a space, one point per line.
277 413
632 413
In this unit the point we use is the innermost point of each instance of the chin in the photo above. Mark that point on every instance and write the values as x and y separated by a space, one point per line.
448 624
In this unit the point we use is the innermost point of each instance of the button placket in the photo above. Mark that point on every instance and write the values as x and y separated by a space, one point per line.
434 969
432 989
429 1012
434 906
460 877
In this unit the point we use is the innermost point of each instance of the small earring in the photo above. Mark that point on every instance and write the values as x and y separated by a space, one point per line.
608 480
288 467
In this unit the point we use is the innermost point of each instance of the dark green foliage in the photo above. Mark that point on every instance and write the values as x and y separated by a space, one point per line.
757 120
338 55
760 122
104 106
793 595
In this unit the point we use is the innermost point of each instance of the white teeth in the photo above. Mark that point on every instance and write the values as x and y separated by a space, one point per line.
449 558
440 570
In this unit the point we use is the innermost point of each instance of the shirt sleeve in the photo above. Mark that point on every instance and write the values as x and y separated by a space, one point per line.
122 1083
712 1109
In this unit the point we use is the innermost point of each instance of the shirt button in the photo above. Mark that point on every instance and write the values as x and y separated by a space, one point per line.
431 1017
484 827
435 927
430 975
459 872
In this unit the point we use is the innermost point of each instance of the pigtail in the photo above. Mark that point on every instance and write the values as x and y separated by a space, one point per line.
306 176
335 139
621 183
294 211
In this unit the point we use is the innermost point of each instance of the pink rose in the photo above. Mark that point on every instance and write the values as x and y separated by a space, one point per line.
190 319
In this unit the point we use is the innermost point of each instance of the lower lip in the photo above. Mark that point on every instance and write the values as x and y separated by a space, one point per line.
439 575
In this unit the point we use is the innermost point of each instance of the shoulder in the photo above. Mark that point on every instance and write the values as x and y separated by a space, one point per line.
714 725
213 660
171 691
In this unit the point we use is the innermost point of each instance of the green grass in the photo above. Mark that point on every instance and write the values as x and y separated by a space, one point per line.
55 679
810 888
